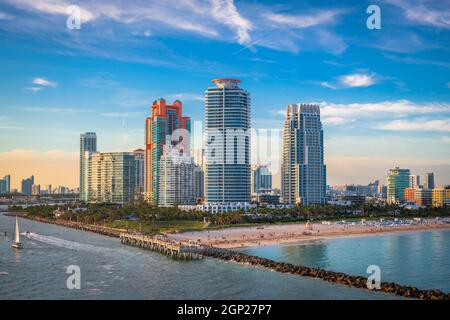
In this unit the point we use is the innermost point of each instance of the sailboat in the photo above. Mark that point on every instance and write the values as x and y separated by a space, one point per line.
17 244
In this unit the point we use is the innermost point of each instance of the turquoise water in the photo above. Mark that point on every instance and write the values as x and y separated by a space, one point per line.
420 259
110 270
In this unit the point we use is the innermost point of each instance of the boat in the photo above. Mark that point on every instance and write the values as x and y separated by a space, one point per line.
17 244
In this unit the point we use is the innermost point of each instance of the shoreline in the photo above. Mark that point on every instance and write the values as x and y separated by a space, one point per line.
246 237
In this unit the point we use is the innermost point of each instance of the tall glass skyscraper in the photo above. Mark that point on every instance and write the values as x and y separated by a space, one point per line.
397 182
227 128
303 172
88 142
166 125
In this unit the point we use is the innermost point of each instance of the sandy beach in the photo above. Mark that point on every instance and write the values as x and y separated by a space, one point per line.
286 233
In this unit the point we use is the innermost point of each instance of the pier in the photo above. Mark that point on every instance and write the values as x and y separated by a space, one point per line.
162 244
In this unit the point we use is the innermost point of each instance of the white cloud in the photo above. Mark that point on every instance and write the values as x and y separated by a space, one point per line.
44 82
342 114
417 125
436 13
358 80
226 12
303 21
32 90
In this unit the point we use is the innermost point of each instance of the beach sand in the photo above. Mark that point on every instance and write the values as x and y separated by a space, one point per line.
285 233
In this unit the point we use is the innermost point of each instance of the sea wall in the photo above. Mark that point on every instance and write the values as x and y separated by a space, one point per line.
330 276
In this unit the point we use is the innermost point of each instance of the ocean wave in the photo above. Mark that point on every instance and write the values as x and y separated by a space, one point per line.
65 243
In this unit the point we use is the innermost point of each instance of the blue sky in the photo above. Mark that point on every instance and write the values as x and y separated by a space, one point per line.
385 94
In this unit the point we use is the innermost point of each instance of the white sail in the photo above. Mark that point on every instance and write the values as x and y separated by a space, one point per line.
16 234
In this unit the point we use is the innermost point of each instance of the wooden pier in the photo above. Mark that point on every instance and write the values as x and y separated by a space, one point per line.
162 244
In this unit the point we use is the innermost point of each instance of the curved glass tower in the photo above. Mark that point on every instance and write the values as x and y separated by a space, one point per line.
227 128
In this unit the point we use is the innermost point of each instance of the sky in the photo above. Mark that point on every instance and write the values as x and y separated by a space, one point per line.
384 93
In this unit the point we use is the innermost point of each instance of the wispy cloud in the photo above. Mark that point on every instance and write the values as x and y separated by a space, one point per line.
55 110
300 21
337 114
123 114
417 125
5 16
44 82
354 80
430 13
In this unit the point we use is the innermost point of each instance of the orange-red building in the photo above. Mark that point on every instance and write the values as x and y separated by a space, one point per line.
166 124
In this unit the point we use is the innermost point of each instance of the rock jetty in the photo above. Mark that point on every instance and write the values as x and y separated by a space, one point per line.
330 276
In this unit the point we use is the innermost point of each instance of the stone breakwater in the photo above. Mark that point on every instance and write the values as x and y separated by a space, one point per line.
329 276
110 232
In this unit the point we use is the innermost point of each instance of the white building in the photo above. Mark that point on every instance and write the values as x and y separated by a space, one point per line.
176 172
110 177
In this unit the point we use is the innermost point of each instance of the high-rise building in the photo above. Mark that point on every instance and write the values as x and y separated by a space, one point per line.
408 195
139 156
7 183
199 158
2 186
199 183
261 179
111 177
397 182
166 125
88 143
303 172
36 189
429 181
27 185
49 189
176 178
227 145
414 181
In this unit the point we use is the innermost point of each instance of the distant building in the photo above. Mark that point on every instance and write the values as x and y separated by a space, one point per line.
408 195
88 143
139 156
199 158
5 184
261 178
397 181
267 198
165 125
414 181
429 181
176 174
441 197
111 177
422 197
49 189
27 185
36 189
303 172
199 183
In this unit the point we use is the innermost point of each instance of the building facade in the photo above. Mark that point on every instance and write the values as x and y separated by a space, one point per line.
176 171
303 172
429 181
139 157
397 181
111 177
261 179
166 125
422 197
227 129
88 143
414 181
5 184
441 197
27 185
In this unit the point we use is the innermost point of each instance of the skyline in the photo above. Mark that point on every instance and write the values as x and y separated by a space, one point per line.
376 107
